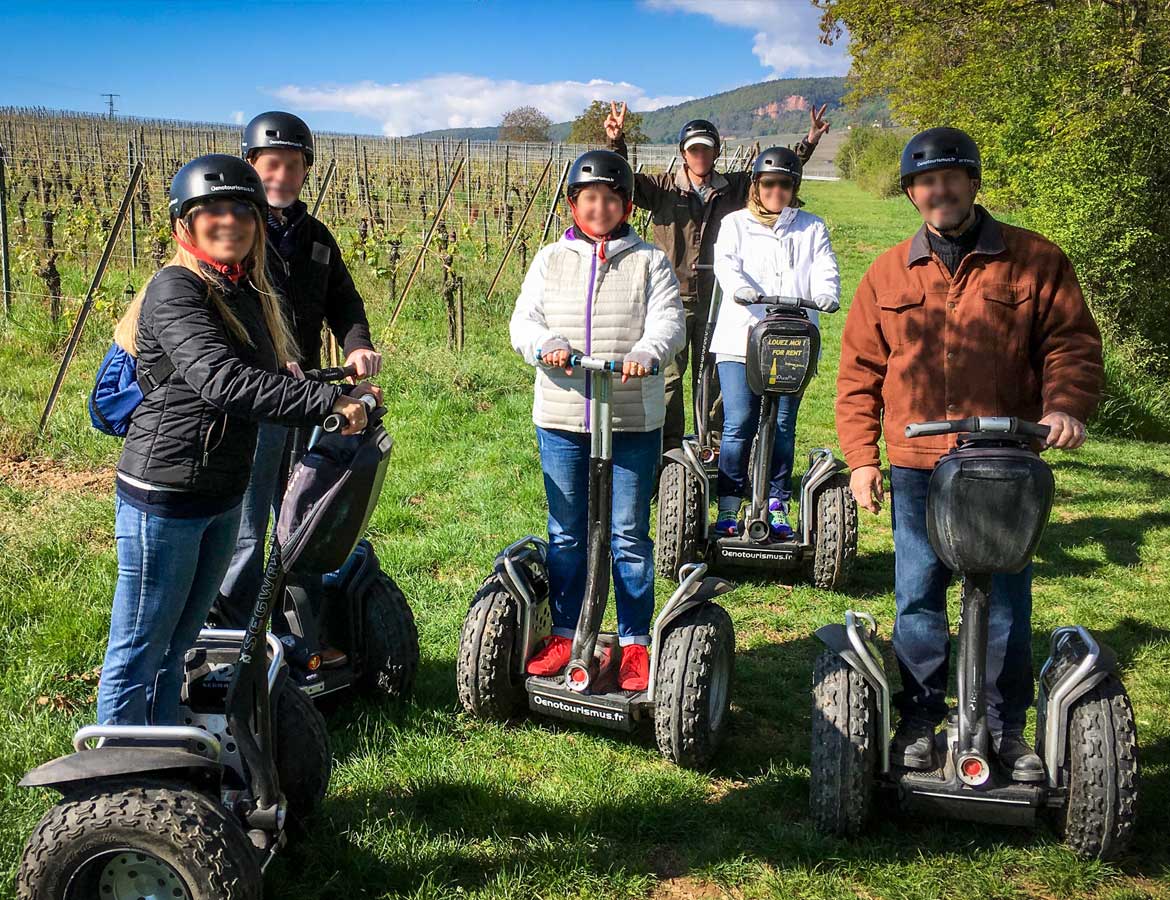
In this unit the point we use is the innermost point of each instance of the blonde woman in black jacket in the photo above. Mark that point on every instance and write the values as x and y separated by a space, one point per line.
211 319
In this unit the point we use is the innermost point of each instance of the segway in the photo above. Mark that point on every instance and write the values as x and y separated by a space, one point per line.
782 351
988 502
196 811
358 609
688 696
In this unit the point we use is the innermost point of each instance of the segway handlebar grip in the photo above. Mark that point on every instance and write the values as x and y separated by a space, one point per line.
788 302
593 364
333 373
988 424
334 422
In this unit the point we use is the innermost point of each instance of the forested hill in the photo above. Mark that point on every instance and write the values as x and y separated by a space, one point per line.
770 107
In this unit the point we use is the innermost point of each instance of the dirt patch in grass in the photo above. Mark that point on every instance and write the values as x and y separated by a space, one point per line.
687 888
36 474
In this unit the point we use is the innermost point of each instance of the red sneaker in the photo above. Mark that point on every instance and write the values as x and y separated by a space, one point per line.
634 674
552 657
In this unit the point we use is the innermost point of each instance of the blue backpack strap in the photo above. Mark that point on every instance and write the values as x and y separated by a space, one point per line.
156 375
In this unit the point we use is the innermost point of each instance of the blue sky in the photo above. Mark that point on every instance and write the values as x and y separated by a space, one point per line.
396 68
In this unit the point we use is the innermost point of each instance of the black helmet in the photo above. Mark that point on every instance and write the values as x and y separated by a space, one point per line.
601 167
778 161
280 130
699 128
215 177
940 148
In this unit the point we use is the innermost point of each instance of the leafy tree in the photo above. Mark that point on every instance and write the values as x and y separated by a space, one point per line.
525 125
1068 103
589 127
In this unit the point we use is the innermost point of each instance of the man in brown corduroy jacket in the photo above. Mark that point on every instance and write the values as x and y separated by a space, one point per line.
969 317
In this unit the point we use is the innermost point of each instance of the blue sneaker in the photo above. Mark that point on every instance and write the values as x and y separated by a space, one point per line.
727 527
778 519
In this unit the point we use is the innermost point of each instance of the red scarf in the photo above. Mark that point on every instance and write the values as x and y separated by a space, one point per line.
234 272
600 239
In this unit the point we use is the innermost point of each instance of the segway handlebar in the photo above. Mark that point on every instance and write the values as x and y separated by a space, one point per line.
336 421
1008 425
333 373
785 303
593 364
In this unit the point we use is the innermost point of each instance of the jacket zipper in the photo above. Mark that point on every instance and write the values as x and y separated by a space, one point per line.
589 331
208 448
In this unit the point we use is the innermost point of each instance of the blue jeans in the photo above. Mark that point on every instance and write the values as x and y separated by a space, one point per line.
564 457
741 419
922 640
168 573
241 585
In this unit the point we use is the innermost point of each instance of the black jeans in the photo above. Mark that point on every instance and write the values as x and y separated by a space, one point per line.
922 640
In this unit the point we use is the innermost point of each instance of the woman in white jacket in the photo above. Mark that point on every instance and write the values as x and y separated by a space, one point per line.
602 291
771 248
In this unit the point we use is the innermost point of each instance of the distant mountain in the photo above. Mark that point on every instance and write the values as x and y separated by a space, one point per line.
770 107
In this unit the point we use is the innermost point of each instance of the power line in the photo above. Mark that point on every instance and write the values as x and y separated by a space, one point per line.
110 102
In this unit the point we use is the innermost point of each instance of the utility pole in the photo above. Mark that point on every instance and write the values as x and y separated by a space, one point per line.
110 98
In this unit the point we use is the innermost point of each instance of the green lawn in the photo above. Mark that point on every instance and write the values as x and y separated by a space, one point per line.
428 802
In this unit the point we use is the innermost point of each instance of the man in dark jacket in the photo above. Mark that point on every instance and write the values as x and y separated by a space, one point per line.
686 208
305 265
969 317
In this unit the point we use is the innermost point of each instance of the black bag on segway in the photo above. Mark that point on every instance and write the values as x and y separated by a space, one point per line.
782 354
330 497
987 508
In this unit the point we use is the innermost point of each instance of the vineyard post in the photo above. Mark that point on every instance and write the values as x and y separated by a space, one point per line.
87 303
426 243
5 265
325 182
519 227
133 233
552 203
467 181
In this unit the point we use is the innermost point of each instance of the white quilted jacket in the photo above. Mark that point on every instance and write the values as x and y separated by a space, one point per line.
608 307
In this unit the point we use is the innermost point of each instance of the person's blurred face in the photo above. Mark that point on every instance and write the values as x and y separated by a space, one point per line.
944 197
700 159
776 192
225 229
283 172
600 208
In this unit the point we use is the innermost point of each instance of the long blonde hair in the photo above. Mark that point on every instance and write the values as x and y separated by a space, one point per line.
126 331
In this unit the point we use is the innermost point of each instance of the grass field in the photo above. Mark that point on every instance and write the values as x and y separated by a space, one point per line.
427 802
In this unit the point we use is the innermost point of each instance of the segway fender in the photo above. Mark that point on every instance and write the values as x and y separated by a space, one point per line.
106 763
860 655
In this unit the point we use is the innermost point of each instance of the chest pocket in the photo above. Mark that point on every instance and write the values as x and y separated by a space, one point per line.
1007 313
902 315
671 209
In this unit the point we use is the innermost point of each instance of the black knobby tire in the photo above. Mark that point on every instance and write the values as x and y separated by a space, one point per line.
692 692
304 761
844 747
1101 773
834 533
680 498
487 685
181 835
390 659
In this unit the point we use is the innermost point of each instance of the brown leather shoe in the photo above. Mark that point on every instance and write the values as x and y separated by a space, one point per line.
331 658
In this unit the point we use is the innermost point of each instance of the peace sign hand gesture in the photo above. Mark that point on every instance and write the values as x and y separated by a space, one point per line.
818 127
615 121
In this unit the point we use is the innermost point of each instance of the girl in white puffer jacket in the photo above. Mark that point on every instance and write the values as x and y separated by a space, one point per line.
771 248
602 291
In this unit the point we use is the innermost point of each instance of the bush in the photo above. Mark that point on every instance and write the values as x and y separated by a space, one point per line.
870 157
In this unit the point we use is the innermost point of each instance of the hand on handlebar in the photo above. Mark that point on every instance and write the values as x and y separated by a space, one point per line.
556 355
638 365
747 296
1065 432
366 388
353 411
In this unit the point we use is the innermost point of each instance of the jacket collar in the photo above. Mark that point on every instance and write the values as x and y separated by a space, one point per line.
613 247
989 243
682 181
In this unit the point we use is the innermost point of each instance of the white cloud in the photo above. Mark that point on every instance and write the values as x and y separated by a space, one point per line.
238 117
462 101
787 32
